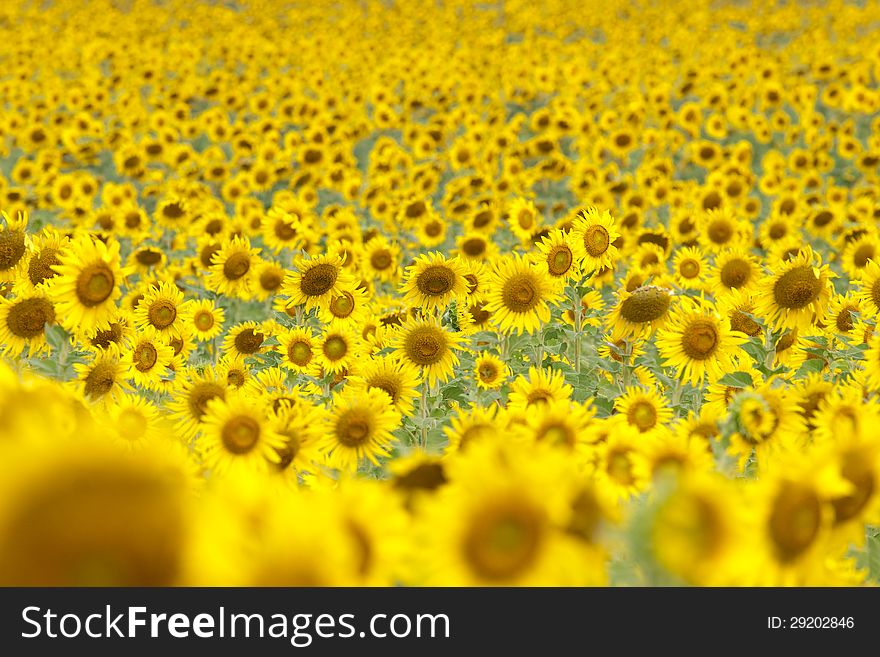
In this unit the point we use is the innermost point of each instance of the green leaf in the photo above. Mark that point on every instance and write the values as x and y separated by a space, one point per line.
736 380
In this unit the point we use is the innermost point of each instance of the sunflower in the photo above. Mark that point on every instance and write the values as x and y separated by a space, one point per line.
283 229
645 410
360 428
147 360
556 255
339 349
858 252
523 219
13 246
519 297
720 228
698 343
559 423
796 293
490 372
475 246
739 307
23 323
163 310
87 287
236 433
433 281
869 286
593 236
475 424
102 379
697 533
399 379
301 425
245 339
541 386
269 277
689 268
381 259
767 421
502 521
297 349
349 306
734 269
189 399
232 268
620 467
638 313
137 422
316 281
206 319
44 251
424 343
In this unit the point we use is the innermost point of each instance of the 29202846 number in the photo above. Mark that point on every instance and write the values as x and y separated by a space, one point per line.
811 622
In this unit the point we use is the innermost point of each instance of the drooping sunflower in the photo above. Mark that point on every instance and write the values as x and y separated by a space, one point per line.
592 239
301 425
398 378
796 292
638 313
426 344
315 281
699 343
189 400
519 296
359 429
237 433
433 281
23 323
87 287
164 310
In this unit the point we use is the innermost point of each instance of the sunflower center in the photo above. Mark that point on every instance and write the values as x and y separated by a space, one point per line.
858 472
299 353
525 219
236 266
95 284
249 341
387 385
862 254
353 428
149 257
795 520
620 468
40 266
201 394
343 305
503 541
875 293
162 314
173 210
720 231
689 268
735 273
557 434
479 314
596 240
284 230
844 320
433 228
240 434
28 318
380 260
586 514
335 347
436 281
739 321
132 424
204 320
12 248
270 280
700 339
100 380
474 247
645 304
797 288
425 476
145 357
642 415
521 293
559 260
425 345
488 372
318 280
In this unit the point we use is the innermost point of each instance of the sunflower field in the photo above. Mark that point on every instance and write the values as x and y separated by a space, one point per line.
319 293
